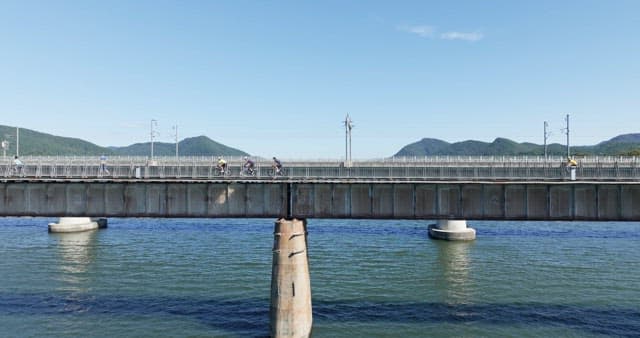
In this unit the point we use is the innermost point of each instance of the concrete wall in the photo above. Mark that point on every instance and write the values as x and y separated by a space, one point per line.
139 199
442 200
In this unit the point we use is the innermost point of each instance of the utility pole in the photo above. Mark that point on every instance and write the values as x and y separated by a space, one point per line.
348 125
153 123
567 131
17 141
546 135
175 129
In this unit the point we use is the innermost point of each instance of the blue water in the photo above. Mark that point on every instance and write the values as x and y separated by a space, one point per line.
211 278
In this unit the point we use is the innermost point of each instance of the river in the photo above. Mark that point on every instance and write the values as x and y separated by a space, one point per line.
369 278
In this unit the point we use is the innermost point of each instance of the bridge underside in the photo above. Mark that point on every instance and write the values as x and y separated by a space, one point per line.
596 201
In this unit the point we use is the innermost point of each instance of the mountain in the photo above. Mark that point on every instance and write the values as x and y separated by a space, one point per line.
624 138
193 146
37 143
628 144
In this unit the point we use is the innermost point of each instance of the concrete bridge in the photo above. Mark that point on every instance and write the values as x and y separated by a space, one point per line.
444 187
323 198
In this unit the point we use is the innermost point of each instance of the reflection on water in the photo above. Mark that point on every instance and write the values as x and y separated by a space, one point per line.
210 278
453 268
76 252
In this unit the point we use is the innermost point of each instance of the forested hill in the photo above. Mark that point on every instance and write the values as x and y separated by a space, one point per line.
36 143
194 146
627 144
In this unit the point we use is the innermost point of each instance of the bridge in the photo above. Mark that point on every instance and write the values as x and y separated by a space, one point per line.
472 188
448 189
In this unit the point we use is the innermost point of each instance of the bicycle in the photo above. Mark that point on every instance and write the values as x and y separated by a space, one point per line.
275 172
17 171
224 172
248 171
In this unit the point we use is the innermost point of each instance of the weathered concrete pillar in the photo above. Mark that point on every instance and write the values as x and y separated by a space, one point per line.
290 283
452 230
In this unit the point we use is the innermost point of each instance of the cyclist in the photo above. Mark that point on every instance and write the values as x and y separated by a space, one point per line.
249 165
277 165
18 166
103 165
222 165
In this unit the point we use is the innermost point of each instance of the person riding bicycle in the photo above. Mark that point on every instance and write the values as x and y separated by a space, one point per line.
222 165
103 165
18 166
277 165
249 165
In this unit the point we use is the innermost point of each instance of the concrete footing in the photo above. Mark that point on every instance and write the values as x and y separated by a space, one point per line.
452 230
77 224
290 283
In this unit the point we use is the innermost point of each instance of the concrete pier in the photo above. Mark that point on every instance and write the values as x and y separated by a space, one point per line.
452 230
290 283
77 224
73 224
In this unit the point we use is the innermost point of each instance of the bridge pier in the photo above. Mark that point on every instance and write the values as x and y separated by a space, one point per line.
77 224
290 283
452 230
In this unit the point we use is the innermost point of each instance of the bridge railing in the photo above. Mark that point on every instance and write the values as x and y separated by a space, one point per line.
205 170
435 167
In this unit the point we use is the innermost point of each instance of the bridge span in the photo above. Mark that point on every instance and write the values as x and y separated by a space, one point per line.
323 198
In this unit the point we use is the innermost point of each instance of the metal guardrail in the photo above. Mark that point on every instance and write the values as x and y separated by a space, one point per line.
429 168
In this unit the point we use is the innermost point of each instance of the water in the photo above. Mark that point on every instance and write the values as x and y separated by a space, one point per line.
211 278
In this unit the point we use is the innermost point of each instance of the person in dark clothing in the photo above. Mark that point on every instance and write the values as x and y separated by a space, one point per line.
277 165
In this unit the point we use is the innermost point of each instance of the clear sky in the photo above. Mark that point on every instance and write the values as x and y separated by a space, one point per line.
278 77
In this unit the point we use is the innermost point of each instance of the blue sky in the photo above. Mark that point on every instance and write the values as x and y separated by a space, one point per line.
278 77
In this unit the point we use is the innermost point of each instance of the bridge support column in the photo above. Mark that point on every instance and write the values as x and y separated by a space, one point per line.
290 283
452 230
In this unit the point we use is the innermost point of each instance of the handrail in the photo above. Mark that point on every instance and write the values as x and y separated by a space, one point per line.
449 167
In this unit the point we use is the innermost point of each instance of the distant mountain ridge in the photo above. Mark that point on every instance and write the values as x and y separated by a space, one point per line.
627 144
192 146
36 143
